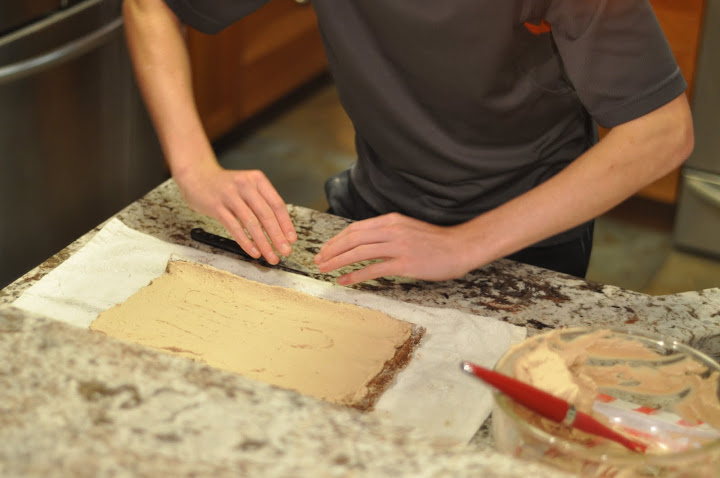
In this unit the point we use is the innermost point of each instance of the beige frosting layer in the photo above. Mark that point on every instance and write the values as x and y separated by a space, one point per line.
320 348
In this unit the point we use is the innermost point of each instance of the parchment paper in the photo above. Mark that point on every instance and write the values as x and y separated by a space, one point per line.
430 393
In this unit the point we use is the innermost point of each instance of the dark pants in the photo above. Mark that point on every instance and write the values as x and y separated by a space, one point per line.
570 257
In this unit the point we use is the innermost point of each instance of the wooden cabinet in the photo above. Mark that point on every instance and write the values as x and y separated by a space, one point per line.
254 62
681 20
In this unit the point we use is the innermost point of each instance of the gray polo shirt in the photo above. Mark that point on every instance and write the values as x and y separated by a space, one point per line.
458 106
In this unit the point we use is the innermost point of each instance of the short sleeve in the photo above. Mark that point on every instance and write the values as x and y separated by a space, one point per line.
616 56
212 16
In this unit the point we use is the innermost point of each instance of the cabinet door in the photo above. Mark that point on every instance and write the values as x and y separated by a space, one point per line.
254 62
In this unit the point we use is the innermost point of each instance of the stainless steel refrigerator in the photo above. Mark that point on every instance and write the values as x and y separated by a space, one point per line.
76 144
697 224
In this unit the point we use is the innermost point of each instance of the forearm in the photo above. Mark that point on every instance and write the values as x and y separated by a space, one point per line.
162 68
630 156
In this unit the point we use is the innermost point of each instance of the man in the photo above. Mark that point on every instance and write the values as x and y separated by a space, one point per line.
474 122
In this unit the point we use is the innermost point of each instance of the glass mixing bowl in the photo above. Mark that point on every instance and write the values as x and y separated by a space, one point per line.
678 447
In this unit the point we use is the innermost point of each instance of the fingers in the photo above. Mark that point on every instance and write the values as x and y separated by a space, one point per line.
351 246
237 231
388 265
250 224
254 209
388 229
373 271
278 216
368 240
361 253
366 225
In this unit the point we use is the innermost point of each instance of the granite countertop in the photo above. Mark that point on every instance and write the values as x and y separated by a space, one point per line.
80 404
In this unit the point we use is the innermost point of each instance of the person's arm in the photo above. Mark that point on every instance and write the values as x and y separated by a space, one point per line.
629 157
240 200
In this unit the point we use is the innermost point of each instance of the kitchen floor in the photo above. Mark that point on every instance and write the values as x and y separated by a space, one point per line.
307 137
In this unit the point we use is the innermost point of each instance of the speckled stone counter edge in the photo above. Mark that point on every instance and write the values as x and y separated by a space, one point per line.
77 403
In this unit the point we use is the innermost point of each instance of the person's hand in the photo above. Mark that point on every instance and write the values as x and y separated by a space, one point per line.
405 247
241 201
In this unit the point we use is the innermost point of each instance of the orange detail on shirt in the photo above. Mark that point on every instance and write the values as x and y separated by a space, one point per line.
544 27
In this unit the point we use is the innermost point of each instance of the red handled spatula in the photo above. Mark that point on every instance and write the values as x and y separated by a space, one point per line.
548 405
